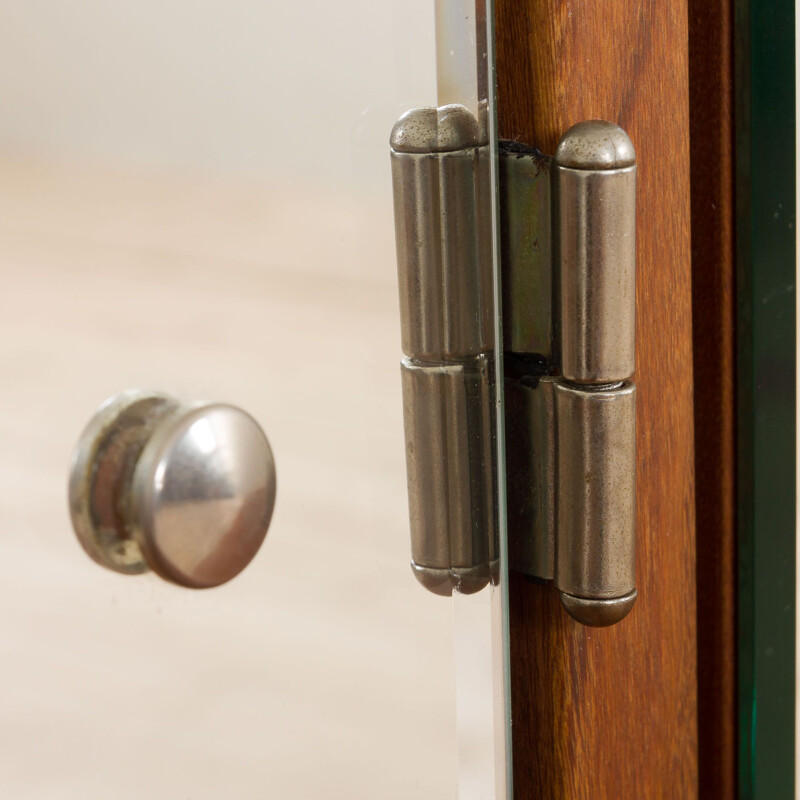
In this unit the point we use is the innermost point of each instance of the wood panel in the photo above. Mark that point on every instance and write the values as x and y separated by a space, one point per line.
711 128
613 713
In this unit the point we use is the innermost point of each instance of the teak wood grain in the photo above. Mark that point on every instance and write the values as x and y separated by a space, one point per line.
612 713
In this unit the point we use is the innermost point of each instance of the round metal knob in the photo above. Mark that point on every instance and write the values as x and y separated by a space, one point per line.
185 490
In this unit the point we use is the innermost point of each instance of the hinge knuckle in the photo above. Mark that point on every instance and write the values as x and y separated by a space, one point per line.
443 241
448 423
597 271
595 476
440 169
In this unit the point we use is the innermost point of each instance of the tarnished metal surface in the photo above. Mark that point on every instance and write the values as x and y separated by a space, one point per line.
568 315
598 613
595 144
102 464
442 235
440 173
596 494
525 242
449 424
596 236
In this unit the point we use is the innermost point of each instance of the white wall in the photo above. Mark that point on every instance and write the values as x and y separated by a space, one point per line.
241 86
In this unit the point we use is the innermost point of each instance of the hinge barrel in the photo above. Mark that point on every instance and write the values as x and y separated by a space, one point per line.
595 167
596 237
442 235
596 502
440 175
449 418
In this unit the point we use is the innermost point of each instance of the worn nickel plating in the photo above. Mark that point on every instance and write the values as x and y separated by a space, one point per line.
595 402
185 490
439 165
596 201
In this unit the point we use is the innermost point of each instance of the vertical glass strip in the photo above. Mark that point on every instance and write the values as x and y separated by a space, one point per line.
502 645
465 75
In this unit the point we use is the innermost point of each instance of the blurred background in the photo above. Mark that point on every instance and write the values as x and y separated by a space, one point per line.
264 91
195 197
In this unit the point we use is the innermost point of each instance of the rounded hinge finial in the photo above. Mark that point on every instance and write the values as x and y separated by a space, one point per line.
595 144
464 580
596 612
435 130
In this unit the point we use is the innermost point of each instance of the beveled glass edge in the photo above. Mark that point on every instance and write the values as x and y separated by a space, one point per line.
465 59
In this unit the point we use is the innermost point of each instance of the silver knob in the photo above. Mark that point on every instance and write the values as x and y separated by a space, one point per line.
185 490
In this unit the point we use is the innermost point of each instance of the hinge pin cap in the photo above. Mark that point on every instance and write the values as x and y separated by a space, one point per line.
598 613
595 144
435 130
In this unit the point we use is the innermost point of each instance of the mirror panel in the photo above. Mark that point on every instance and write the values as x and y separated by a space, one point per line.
197 199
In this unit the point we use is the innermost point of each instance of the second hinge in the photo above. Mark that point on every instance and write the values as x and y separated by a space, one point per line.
568 275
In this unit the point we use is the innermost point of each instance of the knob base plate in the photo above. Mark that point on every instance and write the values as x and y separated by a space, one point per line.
101 472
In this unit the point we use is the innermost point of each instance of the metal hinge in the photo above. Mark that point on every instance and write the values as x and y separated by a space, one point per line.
568 270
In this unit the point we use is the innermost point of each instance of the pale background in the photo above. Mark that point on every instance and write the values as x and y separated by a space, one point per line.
195 196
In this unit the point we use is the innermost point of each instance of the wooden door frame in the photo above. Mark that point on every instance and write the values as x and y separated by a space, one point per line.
612 713
650 708
609 713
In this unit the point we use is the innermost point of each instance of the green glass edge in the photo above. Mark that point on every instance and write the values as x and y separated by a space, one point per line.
766 359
